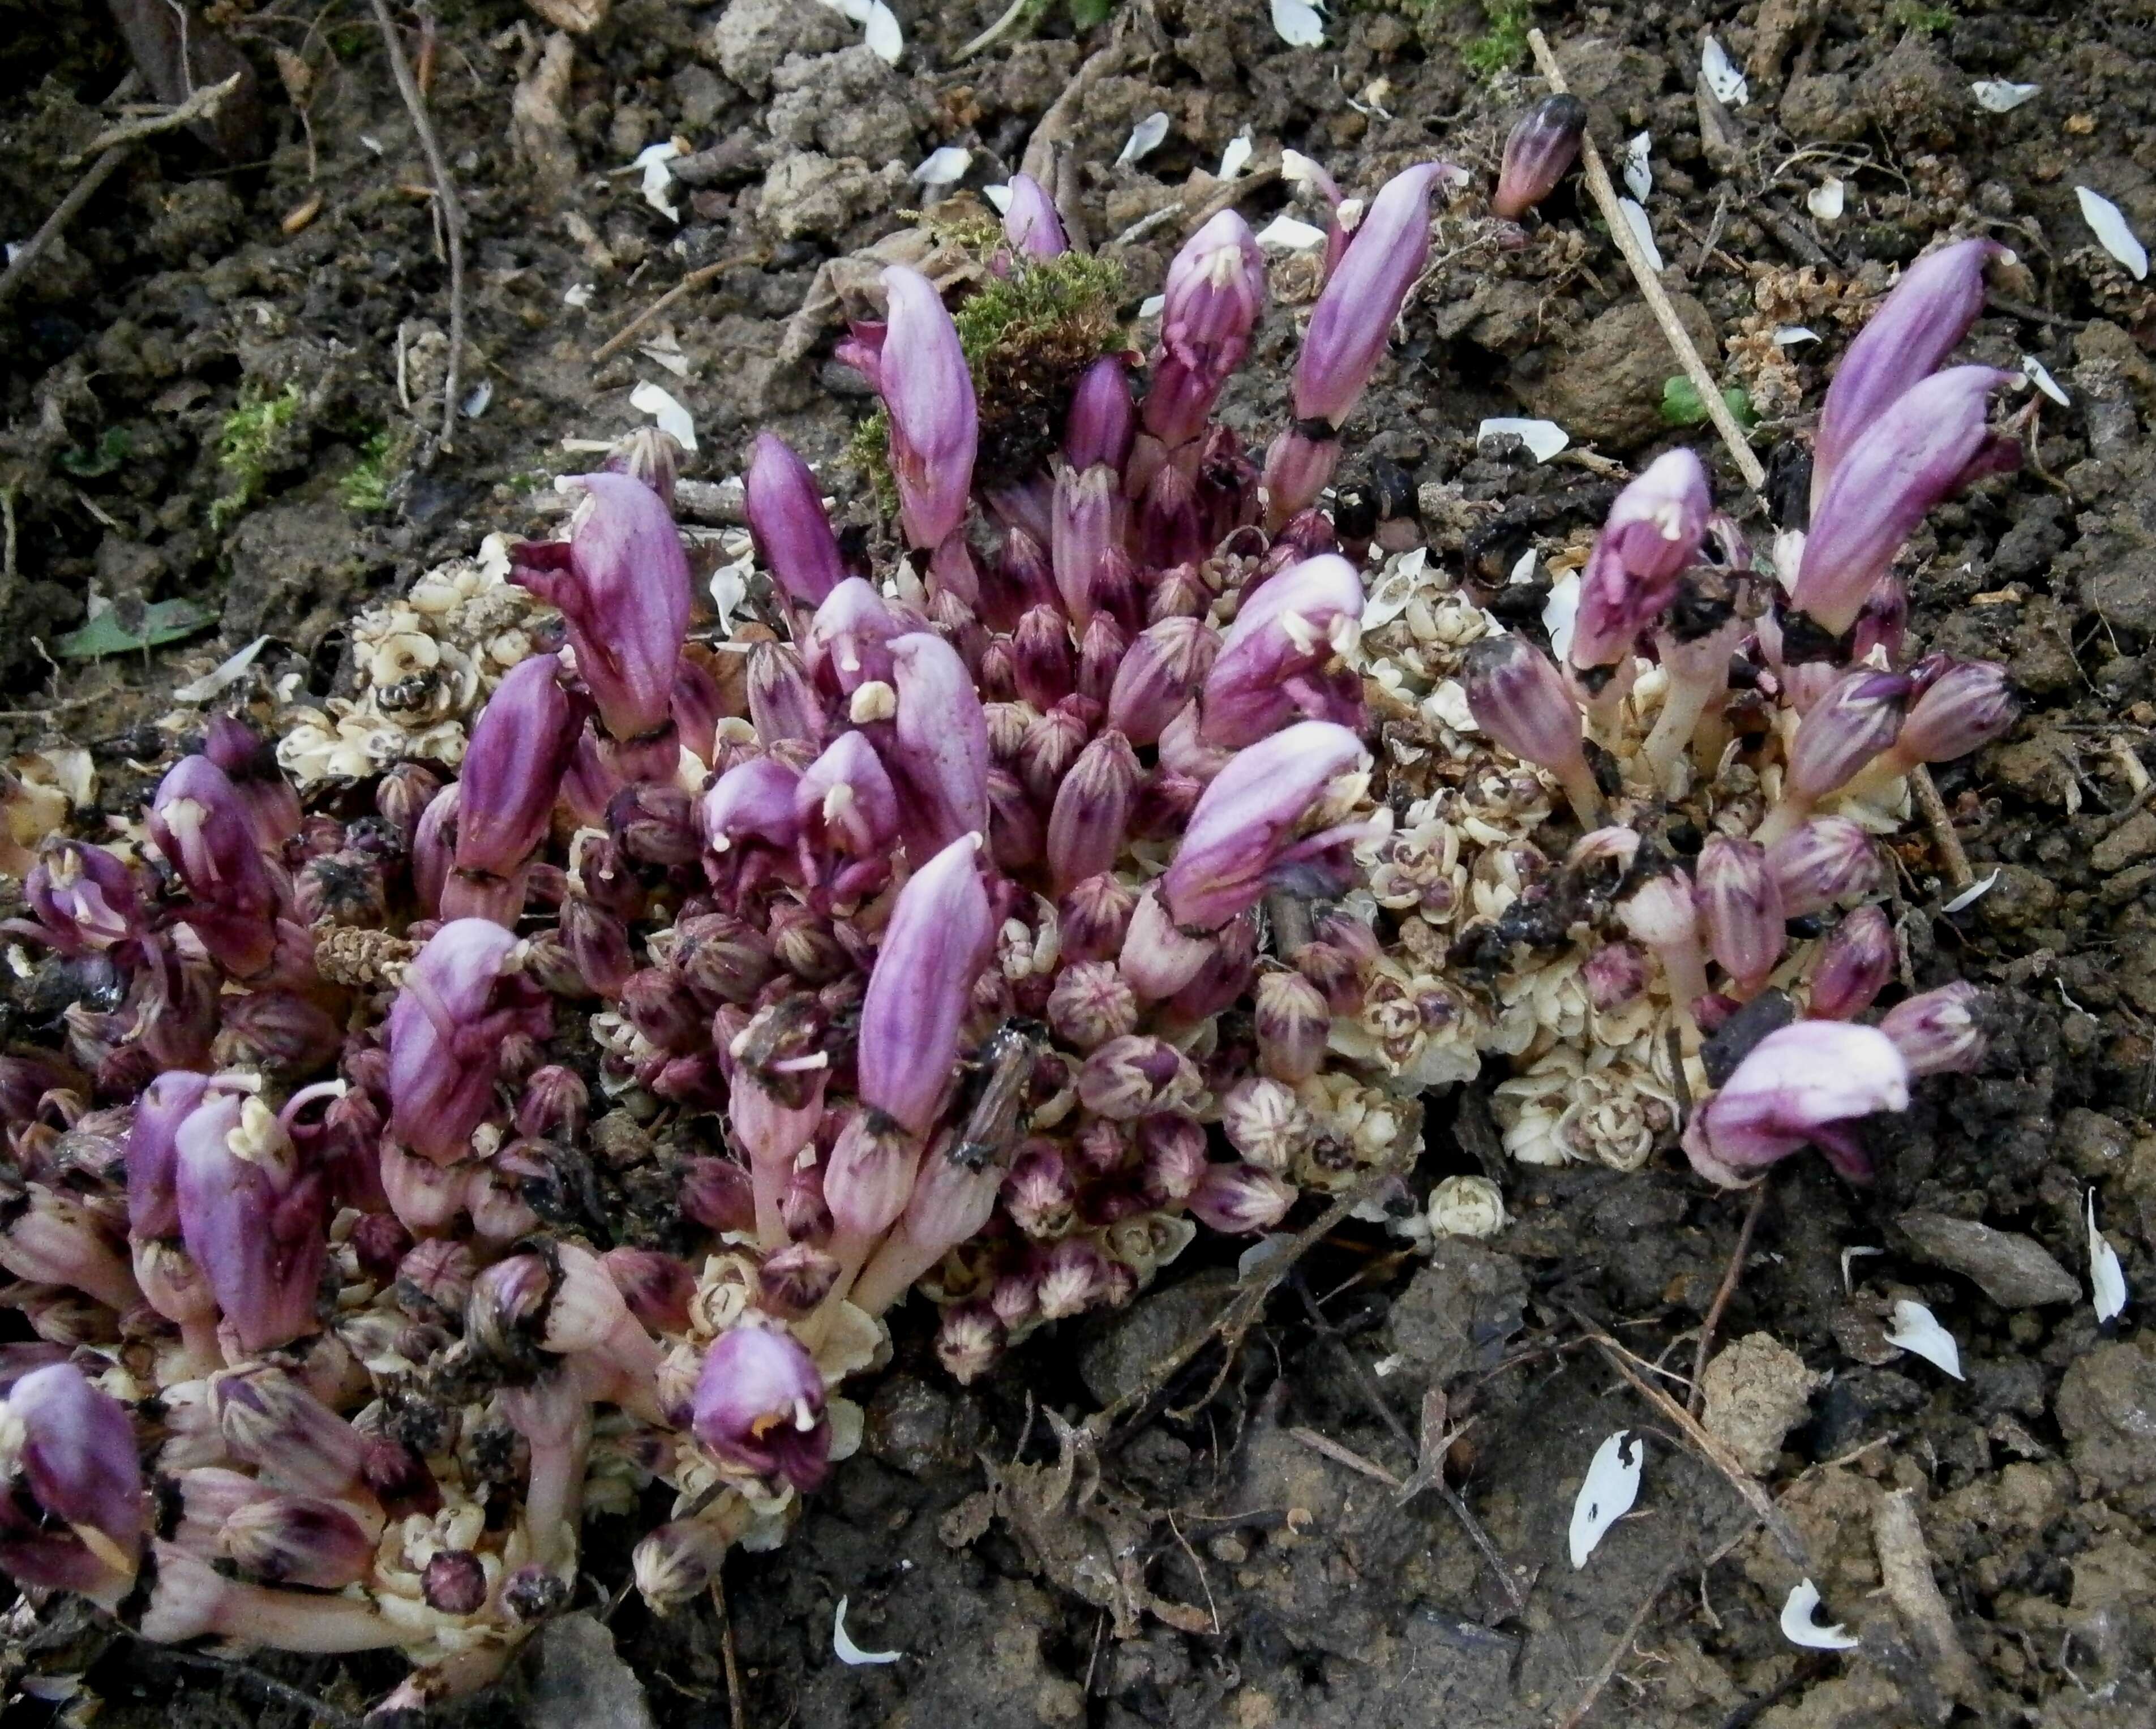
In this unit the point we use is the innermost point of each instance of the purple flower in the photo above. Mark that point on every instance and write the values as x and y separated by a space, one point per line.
1093 808
848 640
1517 696
921 986
1539 153
920 372
1826 860
1291 628
254 1217
153 1152
786 518
84 898
1962 705
846 809
72 1450
1804 1083
202 826
1860 716
1086 548
1903 343
1159 673
1936 1031
1030 224
940 749
1924 447
1853 965
751 821
621 582
519 749
760 1406
1101 423
1741 908
1652 536
1214 293
1238 1200
460 999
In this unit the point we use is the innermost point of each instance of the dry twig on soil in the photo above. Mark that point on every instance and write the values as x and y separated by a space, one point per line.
1724 1293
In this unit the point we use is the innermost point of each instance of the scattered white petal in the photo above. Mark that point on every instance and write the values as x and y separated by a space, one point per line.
1970 895
1150 306
481 394
1543 437
1298 23
1290 235
653 159
847 1651
1917 1331
1638 171
2034 371
1297 169
1385 1366
857 10
1799 1628
2109 222
1145 137
2106 1279
998 196
229 672
1722 78
1265 1249
1995 95
1642 231
578 295
884 38
15 248
1559 611
1612 1486
371 142
1790 334
667 352
1395 587
1524 569
1825 200
1849 1255
660 405
946 166
729 589
1235 155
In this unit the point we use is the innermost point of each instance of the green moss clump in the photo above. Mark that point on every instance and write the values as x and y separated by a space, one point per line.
364 486
251 436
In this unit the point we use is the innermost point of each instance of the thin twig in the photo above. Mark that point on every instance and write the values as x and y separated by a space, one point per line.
1348 1456
694 279
203 105
736 1708
1727 1290
1650 288
1940 821
27 254
993 33
445 200
1603 1677
320 1710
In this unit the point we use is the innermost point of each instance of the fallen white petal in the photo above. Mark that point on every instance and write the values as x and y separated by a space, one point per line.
1722 78
1917 1331
1638 173
847 1651
1522 570
1145 137
578 295
2106 1278
884 38
1799 1628
653 159
1970 895
1825 200
481 395
998 196
2034 371
944 166
649 398
1150 306
729 589
1297 169
1790 334
1612 1486
1290 235
857 10
2109 222
1543 437
1642 231
224 674
1559 611
1849 1255
1998 96
1298 23
1234 158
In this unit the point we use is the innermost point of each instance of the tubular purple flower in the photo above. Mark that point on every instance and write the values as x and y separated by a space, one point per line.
751 822
1292 1020
1102 422
1292 627
759 1407
1088 536
1518 697
1538 153
1211 302
1354 315
84 898
1238 1200
153 1152
849 642
940 749
1160 672
1741 908
1924 448
1043 665
921 374
250 761
846 808
461 997
1652 536
1093 808
298 1540
1936 1031
621 584
793 536
512 770
952 1201
782 702
1968 704
1853 965
1803 1082
202 826
921 985
1662 913
255 1220
73 1448
1857 719
1030 224
1818 863
1903 342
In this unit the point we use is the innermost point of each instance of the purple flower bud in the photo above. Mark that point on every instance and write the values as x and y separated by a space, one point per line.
1215 294
1741 908
1293 625
794 537
760 1407
298 1540
1299 466
1089 526
1800 1084
921 374
1132 1076
1924 447
1095 916
153 1152
454 1583
1074 1277
554 1104
1854 963
1159 674
203 829
940 749
293 1440
1239 1200
1293 1021
591 957
461 997
717 1193
1051 745
1652 536
953 1198
1030 224
1039 1192
657 1289
934 946
279 1030
1937 1032
1518 697
1966 706
756 801
621 583
796 1279
849 642
1092 806
519 749
1240 837
83 896
1091 1004
1818 863
253 1220
1266 1122
1099 655
1015 1297
402 794
1018 838
73 1450
250 761
1860 716
968 1340
1540 151
1354 315
1022 575
782 702
1903 343
1101 423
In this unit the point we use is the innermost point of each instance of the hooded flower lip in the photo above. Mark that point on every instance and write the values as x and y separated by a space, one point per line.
460 999
1296 622
785 509
1652 535
759 1407
940 745
1804 1083
519 749
73 1446
254 1217
921 986
84 898
203 828
1030 224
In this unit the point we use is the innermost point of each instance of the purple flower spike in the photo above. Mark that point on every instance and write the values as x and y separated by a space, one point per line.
1291 628
250 761
1924 448
922 984
1087 547
1966 704
520 746
1936 1031
254 1220
759 1406
1853 965
921 374
940 750
1803 1082
1903 343
1214 293
1518 697
1240 840
786 518
460 999
202 826
621 582
84 898
74 1449
1740 909
1102 423
1539 153
1860 716
1030 224
1653 534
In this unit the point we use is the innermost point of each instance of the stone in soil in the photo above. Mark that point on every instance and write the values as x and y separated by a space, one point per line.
2013 1270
